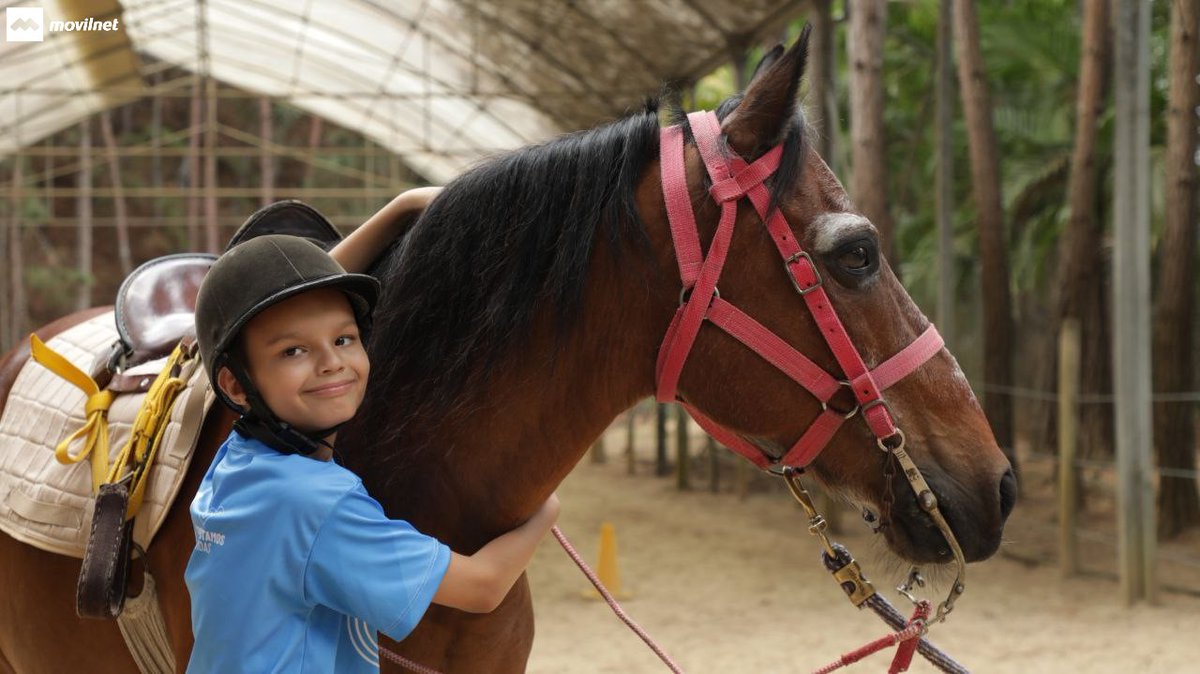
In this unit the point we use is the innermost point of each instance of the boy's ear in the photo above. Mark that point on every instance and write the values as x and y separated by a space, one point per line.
231 386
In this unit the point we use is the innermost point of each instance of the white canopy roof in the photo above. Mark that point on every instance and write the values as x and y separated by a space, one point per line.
439 82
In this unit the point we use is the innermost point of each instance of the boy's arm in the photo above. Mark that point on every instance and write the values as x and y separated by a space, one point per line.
478 583
356 252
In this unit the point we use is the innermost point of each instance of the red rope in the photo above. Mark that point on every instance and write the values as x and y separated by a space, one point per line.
907 638
612 602
405 662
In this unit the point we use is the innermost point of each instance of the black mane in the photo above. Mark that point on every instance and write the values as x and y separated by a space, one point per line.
505 240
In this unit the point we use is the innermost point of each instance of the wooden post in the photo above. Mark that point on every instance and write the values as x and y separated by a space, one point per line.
1068 428
597 453
682 479
661 466
714 464
1131 302
630 459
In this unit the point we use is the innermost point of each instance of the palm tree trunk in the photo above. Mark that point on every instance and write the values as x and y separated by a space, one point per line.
1174 354
868 180
993 254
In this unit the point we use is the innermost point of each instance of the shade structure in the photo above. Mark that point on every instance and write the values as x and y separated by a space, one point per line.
442 83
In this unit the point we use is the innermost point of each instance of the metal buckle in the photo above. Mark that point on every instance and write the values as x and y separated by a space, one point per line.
813 265
686 293
845 415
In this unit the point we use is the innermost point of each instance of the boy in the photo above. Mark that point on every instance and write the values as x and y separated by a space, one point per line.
292 555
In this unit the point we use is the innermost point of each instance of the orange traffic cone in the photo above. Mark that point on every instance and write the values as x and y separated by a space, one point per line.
606 566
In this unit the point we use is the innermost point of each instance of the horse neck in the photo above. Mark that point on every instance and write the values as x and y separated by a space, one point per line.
502 453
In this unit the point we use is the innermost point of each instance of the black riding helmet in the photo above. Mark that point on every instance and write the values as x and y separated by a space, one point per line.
250 277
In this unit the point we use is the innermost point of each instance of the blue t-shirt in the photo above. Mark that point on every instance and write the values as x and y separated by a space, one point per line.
296 567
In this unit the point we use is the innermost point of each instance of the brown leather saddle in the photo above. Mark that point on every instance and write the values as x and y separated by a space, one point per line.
155 307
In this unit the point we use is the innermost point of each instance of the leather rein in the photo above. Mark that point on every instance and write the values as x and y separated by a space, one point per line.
732 180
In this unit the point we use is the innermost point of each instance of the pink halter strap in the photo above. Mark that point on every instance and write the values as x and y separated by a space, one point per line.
734 179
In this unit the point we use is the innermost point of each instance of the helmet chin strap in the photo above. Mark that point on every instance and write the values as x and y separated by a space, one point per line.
260 423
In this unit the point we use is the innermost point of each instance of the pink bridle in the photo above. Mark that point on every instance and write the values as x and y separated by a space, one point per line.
733 179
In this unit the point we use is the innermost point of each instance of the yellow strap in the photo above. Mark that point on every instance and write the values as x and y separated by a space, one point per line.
95 431
137 455
152 420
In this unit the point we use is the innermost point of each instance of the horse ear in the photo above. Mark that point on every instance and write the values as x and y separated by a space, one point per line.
759 121
767 61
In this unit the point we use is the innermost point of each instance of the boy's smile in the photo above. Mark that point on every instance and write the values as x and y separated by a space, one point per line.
307 359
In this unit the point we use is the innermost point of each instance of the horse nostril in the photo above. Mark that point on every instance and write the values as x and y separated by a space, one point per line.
1008 493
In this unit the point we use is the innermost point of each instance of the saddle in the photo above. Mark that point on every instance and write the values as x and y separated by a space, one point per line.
155 307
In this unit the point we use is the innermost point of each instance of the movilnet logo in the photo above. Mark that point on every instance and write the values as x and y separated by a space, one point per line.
24 24
27 24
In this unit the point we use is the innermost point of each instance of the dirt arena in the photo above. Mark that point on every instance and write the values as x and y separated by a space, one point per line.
734 585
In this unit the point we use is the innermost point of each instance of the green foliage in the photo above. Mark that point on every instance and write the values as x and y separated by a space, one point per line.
55 286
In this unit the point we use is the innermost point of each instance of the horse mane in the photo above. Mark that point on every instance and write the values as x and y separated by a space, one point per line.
504 241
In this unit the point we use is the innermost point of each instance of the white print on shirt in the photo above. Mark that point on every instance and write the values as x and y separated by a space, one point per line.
206 538
363 639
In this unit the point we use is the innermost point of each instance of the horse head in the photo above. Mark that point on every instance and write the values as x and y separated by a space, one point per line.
765 397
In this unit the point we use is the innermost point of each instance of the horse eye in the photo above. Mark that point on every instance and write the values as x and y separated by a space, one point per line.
854 259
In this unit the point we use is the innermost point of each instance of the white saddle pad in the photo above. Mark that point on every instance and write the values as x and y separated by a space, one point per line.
49 505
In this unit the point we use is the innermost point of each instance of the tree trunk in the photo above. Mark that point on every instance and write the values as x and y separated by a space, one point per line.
1079 290
683 481
84 246
212 238
6 294
944 180
124 254
993 254
1174 357
868 179
16 256
823 109
193 173
662 466
266 129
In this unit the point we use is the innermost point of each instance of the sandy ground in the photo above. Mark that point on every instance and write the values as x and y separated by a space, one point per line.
734 585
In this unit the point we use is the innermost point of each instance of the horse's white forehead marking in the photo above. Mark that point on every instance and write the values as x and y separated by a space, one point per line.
831 228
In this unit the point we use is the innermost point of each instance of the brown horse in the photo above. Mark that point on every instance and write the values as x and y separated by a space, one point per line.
521 314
